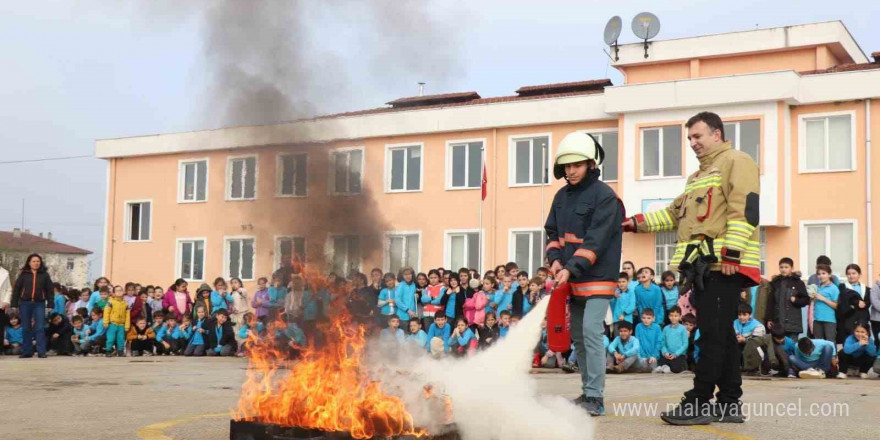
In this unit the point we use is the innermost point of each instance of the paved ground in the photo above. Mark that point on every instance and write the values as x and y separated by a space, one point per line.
177 398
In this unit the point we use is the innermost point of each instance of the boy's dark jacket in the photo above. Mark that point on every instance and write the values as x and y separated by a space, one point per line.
780 309
227 336
584 233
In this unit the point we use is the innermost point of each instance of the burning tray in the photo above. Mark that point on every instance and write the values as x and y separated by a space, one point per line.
252 430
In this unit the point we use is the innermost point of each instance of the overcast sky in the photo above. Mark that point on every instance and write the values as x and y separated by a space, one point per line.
76 71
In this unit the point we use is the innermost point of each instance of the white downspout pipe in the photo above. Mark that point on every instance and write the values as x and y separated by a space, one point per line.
870 225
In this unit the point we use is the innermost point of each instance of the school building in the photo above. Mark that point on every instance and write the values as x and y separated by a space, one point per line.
801 100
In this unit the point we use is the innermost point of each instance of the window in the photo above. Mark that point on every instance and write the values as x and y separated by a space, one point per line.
291 175
137 218
464 250
242 178
193 184
834 240
527 249
530 160
828 143
191 258
401 250
464 165
664 249
661 151
745 136
608 141
69 263
346 167
345 254
240 258
763 241
404 168
289 246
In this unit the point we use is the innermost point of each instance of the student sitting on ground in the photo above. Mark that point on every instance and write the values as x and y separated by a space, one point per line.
674 344
221 337
649 335
393 333
623 353
416 336
462 341
141 337
489 333
250 331
438 336
80 336
859 352
745 326
544 357
13 336
167 337
200 329
58 334
813 358
768 354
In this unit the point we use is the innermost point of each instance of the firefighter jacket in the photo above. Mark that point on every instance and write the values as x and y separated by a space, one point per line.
583 232
720 201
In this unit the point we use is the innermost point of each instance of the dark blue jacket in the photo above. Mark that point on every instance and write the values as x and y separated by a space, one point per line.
584 234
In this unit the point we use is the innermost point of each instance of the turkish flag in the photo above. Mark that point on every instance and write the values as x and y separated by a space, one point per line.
484 181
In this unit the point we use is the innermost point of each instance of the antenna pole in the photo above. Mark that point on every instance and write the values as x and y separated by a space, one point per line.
646 48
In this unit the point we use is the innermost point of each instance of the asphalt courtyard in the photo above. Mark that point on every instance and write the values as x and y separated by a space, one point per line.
190 398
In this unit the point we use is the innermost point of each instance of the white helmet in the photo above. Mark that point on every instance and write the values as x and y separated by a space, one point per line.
576 147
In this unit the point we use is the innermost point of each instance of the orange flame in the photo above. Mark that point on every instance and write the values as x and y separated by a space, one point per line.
327 388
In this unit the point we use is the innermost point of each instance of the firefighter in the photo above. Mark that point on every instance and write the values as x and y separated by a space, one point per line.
717 255
583 246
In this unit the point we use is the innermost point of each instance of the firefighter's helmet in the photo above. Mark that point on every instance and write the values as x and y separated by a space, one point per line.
576 147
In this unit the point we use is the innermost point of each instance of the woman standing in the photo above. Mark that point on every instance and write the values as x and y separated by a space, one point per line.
32 295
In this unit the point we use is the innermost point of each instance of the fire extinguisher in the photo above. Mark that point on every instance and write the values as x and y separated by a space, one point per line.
558 325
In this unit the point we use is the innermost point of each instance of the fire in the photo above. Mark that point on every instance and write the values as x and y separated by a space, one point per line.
327 388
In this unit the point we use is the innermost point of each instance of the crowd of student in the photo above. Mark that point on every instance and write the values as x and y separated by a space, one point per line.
650 327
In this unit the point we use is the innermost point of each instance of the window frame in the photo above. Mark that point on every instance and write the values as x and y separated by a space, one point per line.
178 259
762 243
229 160
641 162
447 243
276 241
449 165
126 228
226 259
511 246
329 253
181 179
389 149
279 176
386 247
737 122
331 172
602 131
802 141
670 250
71 263
805 265
511 159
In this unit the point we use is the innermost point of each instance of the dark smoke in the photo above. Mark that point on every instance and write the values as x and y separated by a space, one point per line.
275 61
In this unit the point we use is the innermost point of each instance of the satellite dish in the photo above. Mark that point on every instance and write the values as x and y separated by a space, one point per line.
646 25
612 30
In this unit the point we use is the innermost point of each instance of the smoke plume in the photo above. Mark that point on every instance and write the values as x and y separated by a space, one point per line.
493 395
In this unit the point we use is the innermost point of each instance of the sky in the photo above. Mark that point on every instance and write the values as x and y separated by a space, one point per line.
77 71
